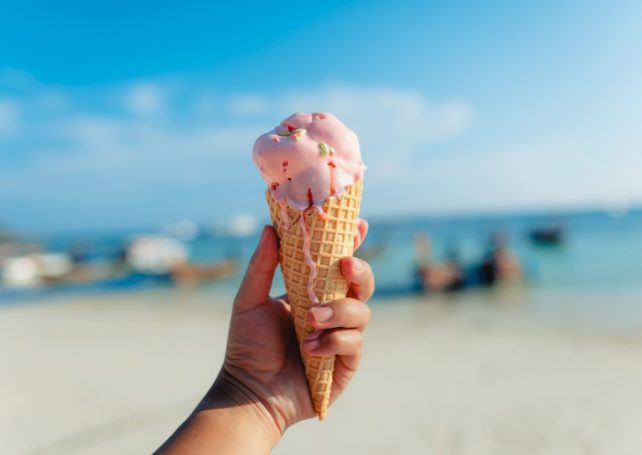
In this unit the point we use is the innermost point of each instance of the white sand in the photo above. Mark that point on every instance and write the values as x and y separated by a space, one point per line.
117 374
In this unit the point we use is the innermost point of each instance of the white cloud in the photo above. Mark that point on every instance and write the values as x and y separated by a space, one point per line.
564 173
401 115
91 132
386 119
9 117
207 103
197 160
53 100
145 99
390 122
248 105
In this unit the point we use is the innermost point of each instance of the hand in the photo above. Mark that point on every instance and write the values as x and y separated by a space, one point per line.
261 389
263 351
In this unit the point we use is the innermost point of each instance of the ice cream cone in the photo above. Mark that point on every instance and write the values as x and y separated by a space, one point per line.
330 236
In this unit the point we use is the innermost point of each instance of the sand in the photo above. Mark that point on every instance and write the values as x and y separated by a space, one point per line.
117 374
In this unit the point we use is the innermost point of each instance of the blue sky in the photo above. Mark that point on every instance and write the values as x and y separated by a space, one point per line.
140 113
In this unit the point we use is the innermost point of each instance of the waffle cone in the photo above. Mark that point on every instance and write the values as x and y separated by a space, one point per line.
331 238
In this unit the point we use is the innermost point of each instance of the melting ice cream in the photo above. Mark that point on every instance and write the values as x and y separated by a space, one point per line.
308 158
305 160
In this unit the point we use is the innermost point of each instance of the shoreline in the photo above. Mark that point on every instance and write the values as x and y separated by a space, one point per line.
567 308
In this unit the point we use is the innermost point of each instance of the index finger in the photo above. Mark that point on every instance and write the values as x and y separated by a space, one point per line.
360 235
360 278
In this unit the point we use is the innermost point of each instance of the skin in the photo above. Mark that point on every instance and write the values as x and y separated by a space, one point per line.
261 389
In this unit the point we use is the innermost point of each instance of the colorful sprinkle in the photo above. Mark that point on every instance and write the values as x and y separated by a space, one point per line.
310 199
323 149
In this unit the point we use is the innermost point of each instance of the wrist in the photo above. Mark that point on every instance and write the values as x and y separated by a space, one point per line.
228 422
230 394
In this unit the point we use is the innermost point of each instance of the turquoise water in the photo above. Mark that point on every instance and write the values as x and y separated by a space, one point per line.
602 253
597 271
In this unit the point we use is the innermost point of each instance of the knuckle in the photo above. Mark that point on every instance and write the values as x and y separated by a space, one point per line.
334 339
367 312
345 309
342 342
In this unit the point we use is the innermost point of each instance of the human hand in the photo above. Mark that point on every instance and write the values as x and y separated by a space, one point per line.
263 352
262 389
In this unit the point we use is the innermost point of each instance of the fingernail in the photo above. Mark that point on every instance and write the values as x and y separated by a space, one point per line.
357 265
312 344
322 313
312 341
315 334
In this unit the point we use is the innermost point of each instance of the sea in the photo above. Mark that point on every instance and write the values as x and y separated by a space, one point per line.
593 274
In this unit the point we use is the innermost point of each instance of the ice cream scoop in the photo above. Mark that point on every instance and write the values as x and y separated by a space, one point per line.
308 158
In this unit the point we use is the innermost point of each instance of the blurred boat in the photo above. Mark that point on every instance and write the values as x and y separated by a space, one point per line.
548 235
239 226
35 269
154 254
185 230
189 274
167 258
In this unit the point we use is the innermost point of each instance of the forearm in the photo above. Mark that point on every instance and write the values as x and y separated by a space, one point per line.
229 420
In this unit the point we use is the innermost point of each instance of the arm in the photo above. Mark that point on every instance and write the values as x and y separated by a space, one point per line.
229 420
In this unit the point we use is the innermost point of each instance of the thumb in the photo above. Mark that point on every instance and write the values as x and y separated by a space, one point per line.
255 288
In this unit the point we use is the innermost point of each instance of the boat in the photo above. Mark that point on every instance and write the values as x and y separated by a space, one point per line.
548 235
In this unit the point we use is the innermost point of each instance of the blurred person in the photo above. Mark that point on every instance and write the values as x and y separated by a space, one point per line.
261 389
454 263
79 253
374 250
500 264
83 270
431 276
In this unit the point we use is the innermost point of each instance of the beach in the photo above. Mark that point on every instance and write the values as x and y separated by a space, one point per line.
483 160
470 374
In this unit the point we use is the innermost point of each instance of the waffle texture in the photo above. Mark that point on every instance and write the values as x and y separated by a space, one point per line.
331 238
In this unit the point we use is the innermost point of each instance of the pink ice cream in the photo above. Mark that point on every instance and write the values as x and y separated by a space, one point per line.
308 158
305 160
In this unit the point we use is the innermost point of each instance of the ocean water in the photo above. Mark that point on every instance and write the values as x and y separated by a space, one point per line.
596 272
602 253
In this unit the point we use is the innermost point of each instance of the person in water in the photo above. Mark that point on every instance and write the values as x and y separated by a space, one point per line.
261 389
431 276
500 264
